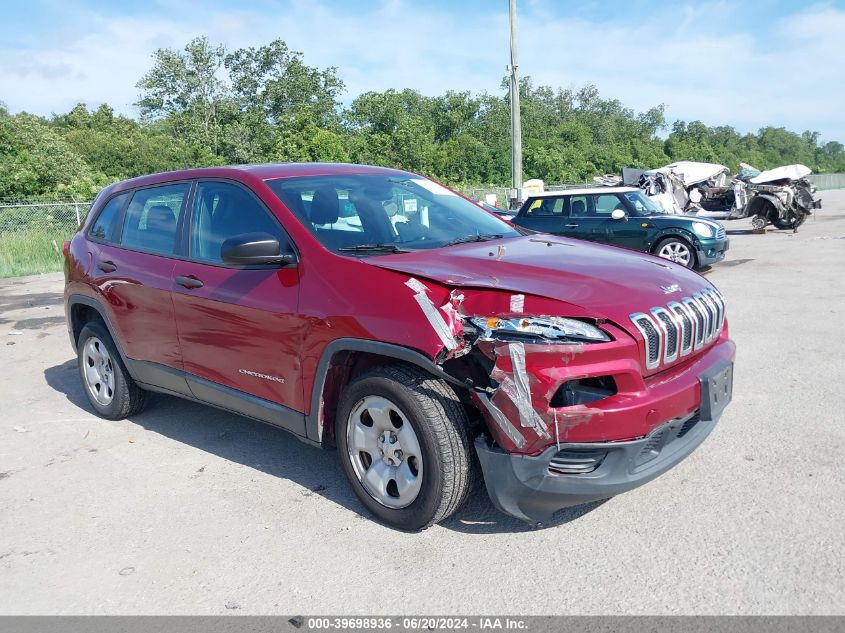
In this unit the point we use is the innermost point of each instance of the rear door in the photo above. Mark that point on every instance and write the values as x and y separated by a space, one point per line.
542 214
239 326
132 265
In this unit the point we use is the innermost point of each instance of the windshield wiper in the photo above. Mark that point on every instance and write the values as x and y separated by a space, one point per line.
373 248
483 237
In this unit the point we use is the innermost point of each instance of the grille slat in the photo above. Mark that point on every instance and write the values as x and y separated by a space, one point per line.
670 331
680 327
685 321
711 316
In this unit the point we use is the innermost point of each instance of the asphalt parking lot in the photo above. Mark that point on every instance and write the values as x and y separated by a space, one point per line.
186 509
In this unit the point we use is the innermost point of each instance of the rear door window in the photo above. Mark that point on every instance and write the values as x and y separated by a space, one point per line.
105 226
152 218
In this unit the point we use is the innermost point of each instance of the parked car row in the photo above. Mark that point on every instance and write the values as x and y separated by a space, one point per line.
378 313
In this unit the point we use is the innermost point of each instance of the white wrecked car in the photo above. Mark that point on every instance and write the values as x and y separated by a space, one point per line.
677 186
782 196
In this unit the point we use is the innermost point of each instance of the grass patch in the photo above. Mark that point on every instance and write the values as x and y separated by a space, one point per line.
30 252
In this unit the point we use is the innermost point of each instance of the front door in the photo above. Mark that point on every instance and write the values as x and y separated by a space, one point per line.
238 326
636 231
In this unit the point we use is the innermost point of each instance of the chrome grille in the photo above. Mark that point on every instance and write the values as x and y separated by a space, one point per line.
680 327
720 233
685 321
652 337
699 318
670 332
710 309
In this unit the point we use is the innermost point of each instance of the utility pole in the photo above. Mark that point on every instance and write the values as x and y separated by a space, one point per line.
516 124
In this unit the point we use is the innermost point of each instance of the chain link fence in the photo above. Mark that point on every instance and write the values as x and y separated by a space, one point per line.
32 233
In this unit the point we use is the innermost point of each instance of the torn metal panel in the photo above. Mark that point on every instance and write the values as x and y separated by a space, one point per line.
501 420
786 172
435 318
451 309
514 390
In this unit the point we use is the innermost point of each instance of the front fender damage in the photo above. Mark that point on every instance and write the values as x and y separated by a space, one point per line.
512 392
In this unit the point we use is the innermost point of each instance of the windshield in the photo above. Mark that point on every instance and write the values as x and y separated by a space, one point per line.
642 204
385 213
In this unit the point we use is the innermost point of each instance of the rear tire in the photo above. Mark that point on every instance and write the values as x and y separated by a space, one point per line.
676 249
428 478
105 380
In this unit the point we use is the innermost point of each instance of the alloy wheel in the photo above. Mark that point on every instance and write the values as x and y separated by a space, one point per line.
677 252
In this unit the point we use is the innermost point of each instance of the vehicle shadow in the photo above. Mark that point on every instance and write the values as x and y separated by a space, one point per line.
278 453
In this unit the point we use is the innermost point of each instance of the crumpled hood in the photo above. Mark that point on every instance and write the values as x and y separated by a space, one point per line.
791 172
605 281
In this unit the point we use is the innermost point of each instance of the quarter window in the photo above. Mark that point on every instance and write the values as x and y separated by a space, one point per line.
222 211
105 225
152 218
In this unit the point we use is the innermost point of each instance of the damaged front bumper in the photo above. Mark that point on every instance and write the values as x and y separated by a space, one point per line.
685 405
533 488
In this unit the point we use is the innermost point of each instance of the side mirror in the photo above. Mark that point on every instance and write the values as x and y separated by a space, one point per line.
617 214
255 249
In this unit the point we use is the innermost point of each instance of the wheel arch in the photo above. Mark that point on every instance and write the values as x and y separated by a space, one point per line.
763 204
678 234
81 310
340 361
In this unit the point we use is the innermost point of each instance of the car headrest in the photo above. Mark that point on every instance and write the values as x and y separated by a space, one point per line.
578 207
325 208
160 216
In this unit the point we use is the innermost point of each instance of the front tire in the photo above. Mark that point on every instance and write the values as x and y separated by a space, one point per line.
791 221
109 387
677 250
403 444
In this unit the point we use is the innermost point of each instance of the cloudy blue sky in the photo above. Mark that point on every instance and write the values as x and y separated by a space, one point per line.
747 64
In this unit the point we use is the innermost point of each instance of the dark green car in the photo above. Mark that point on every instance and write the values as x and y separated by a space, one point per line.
624 216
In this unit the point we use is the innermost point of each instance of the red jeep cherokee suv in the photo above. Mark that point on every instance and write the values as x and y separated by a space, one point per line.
377 311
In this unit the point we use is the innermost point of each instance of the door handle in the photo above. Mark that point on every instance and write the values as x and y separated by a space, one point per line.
107 267
189 282
571 226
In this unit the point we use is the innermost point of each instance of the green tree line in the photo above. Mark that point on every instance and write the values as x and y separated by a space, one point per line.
203 105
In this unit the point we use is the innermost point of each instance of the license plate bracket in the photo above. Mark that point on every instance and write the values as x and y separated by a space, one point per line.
716 389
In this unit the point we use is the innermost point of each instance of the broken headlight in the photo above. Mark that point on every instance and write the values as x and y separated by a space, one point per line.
538 329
